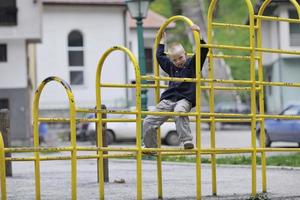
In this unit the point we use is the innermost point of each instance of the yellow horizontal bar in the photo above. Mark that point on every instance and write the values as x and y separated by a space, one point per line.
234 56
228 88
38 149
115 85
163 151
226 115
171 114
168 79
203 80
272 18
246 82
244 48
232 120
232 47
279 84
225 25
60 119
290 117
290 149
267 50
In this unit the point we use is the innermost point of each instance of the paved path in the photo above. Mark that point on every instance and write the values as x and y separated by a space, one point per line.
234 182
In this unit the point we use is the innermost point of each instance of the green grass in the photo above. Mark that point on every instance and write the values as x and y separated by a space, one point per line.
291 160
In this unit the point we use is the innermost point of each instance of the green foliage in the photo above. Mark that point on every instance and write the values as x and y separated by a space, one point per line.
168 8
163 7
235 12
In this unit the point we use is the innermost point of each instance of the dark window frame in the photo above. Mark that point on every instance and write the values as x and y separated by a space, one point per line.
3 52
149 60
8 13
75 56
294 29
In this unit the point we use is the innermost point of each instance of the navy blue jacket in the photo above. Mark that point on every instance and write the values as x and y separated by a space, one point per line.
180 90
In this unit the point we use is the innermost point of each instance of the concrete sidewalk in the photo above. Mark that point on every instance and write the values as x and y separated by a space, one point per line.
233 182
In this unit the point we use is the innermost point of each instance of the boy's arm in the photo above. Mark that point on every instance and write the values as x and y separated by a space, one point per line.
204 50
161 57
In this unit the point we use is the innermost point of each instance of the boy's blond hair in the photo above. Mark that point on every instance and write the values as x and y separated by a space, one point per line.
175 48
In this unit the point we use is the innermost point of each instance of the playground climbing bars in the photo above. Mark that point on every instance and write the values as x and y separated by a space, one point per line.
255 87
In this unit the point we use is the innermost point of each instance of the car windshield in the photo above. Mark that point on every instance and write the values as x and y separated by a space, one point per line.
291 111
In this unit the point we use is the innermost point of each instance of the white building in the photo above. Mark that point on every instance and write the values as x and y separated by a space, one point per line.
20 29
75 34
281 67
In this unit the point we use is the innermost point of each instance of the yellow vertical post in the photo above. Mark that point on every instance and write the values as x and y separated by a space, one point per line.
211 97
253 92
198 116
72 114
198 94
261 97
138 119
36 141
157 98
99 124
73 135
2 169
138 124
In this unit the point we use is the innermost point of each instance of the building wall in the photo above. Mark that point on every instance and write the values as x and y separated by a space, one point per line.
102 28
273 94
15 81
28 22
283 67
14 88
283 70
20 114
13 73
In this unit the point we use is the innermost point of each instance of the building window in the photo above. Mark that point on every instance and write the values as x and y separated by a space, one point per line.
4 104
3 53
8 12
76 77
149 60
294 29
76 58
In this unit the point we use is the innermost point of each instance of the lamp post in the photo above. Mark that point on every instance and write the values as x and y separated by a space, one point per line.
138 10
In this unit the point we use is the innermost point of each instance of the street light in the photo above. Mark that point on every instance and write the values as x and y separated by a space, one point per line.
138 10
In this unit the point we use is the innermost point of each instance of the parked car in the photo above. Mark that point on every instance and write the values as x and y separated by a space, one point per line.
282 130
120 131
231 108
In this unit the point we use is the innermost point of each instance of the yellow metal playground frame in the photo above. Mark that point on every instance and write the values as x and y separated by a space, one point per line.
253 86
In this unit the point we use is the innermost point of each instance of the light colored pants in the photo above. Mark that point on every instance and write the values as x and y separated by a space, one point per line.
153 122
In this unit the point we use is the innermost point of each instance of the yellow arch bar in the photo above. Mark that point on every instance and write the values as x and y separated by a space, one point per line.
260 17
253 88
198 94
73 134
138 118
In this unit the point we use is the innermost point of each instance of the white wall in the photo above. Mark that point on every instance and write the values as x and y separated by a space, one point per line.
13 73
28 22
276 35
102 27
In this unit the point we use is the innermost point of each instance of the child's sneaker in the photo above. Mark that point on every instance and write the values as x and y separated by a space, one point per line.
188 145
148 153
